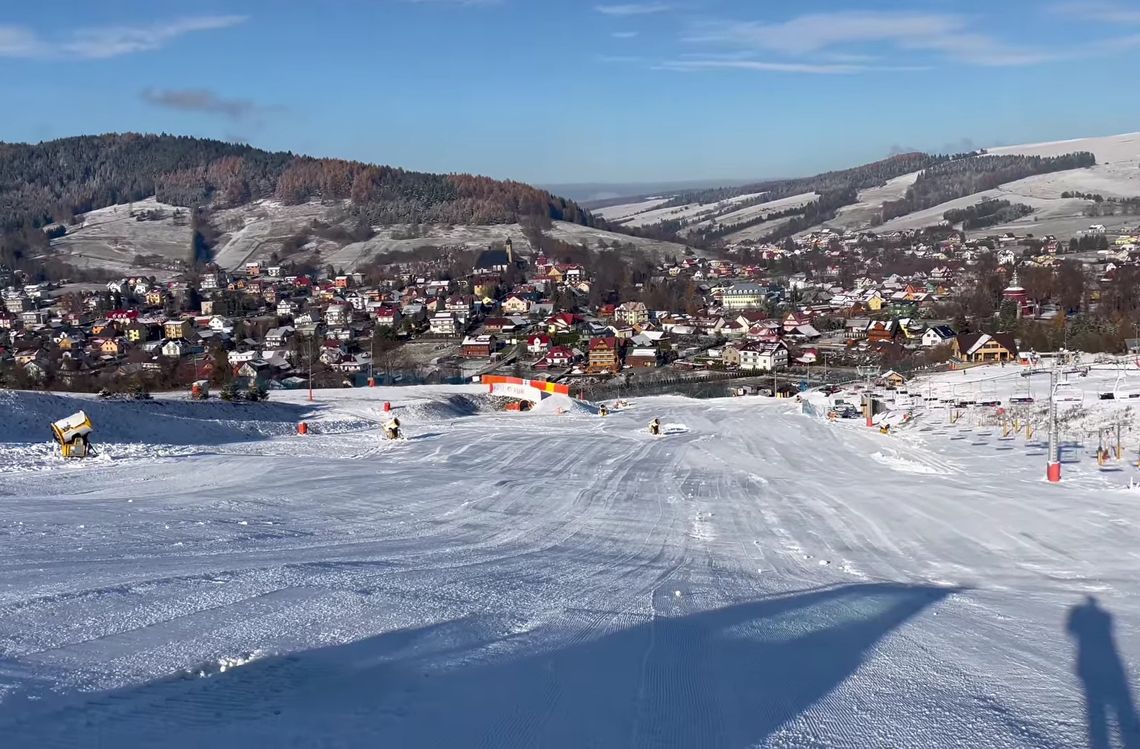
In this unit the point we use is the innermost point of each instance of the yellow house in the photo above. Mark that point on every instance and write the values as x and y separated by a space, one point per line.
156 297
516 305
111 347
982 347
875 303
136 332
176 330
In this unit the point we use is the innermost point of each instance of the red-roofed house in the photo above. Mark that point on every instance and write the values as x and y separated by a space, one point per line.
538 344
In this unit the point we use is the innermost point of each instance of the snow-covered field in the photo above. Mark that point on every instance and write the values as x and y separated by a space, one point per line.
110 239
357 253
690 211
760 209
870 203
626 210
757 577
1116 174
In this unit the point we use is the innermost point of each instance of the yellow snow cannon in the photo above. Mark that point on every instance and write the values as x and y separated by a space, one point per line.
74 435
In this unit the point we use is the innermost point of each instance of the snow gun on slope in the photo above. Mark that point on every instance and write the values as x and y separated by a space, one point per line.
74 435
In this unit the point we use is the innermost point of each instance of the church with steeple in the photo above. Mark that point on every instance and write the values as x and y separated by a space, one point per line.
1017 294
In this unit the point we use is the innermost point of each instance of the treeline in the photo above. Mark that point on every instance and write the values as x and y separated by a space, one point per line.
55 180
836 189
1113 207
815 213
987 213
949 180
858 178
718 231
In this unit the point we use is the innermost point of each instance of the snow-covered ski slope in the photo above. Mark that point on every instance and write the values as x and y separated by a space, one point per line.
757 577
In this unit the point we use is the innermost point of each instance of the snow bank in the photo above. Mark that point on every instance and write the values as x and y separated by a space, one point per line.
564 405
27 416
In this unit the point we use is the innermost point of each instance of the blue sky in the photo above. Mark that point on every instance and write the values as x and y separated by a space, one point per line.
575 91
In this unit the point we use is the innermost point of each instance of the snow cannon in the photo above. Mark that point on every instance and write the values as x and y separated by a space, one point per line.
73 435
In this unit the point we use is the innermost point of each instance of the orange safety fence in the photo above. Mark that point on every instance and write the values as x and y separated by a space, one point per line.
543 385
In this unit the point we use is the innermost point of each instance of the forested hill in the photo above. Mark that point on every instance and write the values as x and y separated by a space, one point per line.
54 180
856 178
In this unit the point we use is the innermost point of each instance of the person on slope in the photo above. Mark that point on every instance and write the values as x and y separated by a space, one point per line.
392 429
655 427
602 410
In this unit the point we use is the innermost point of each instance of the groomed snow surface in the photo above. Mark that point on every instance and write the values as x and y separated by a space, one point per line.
755 577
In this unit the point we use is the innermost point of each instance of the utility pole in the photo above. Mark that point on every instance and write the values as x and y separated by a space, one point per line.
312 345
1053 468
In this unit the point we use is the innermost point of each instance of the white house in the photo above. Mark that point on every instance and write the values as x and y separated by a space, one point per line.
176 348
336 314
632 313
278 337
937 335
764 357
220 324
241 357
443 323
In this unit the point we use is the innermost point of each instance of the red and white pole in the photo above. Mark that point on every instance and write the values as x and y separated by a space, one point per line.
1053 468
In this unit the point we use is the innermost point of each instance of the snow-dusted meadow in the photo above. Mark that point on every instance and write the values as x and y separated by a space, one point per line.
757 577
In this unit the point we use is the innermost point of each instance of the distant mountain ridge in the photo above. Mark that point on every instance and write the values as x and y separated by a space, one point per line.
54 180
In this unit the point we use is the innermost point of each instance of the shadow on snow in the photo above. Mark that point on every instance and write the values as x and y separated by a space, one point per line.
1104 678
728 677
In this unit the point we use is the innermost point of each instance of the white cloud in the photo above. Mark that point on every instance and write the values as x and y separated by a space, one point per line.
624 34
810 68
632 9
1098 11
619 59
770 67
101 42
830 37
454 2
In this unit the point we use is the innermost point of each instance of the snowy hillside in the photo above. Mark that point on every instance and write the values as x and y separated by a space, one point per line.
111 239
757 577
1116 174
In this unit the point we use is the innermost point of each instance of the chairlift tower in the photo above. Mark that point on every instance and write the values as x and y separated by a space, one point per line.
1053 468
